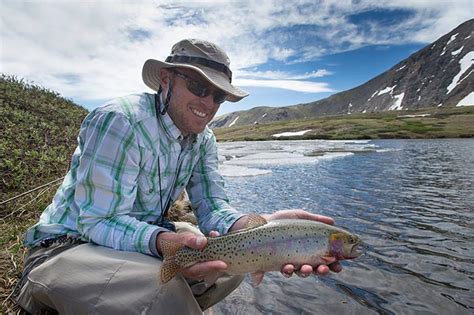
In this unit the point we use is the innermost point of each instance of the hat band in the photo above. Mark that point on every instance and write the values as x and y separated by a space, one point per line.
204 62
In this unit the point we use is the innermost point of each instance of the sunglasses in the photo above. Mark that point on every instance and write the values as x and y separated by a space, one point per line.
200 89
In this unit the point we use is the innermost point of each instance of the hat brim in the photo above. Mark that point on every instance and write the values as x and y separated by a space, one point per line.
151 77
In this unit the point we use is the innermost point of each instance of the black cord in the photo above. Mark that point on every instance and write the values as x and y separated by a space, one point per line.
168 98
159 184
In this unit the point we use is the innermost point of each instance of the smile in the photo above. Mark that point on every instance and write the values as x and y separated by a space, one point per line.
198 113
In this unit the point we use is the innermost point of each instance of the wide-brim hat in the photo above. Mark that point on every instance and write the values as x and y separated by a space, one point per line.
204 57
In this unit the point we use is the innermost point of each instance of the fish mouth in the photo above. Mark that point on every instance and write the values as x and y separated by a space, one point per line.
355 251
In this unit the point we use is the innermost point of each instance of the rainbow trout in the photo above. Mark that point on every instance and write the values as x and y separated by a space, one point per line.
266 246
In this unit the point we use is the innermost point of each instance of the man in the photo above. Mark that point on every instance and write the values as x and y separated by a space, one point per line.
96 247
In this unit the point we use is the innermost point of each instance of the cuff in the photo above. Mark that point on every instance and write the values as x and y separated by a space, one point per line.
152 242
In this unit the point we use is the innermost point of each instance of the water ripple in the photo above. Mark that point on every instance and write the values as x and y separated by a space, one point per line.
411 201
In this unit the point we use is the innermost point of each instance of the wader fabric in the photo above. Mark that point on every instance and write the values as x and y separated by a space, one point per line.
91 279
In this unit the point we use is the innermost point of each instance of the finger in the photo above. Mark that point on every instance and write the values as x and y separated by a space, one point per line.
304 271
305 215
287 270
324 219
214 234
200 270
322 270
335 267
193 240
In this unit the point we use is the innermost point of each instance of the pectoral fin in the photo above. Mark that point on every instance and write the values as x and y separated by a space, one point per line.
255 220
257 278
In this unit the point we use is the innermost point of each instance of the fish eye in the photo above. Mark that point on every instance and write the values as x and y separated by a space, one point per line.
352 240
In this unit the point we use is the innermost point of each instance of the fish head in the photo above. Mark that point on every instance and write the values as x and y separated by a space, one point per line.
344 245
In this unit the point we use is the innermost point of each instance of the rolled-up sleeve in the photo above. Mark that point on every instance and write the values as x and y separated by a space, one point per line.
107 184
206 192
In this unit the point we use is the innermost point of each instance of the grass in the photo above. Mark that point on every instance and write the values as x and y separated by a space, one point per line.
38 130
442 123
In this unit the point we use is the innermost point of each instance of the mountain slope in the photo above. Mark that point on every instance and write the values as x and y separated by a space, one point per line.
440 74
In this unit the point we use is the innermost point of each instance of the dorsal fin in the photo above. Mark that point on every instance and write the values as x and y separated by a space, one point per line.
255 220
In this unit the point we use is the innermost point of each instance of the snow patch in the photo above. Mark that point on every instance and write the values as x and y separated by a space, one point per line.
240 171
291 133
233 122
449 42
387 90
452 38
402 67
466 62
398 102
411 116
372 96
454 53
467 101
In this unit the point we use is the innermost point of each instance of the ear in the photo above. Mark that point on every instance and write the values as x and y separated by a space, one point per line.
164 78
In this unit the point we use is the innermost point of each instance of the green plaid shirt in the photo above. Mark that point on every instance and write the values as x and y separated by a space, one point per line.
130 164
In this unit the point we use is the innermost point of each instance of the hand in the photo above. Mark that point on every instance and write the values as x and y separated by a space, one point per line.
198 271
305 270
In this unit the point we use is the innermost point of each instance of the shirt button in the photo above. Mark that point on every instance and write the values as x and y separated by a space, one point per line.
150 191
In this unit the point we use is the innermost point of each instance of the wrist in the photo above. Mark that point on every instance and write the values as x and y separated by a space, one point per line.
161 236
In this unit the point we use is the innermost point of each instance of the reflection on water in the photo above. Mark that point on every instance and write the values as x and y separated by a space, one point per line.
411 201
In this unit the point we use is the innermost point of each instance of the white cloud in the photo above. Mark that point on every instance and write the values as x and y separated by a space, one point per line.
275 75
293 85
95 49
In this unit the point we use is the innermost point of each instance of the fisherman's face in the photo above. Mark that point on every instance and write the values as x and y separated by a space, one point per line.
189 112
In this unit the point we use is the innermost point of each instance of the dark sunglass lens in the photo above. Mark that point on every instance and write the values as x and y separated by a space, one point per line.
197 88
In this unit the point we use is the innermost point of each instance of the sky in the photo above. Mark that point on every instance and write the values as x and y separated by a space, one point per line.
281 52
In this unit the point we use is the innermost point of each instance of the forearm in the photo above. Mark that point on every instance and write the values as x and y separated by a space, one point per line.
120 232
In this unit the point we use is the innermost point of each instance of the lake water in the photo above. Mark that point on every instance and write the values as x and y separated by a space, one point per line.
411 202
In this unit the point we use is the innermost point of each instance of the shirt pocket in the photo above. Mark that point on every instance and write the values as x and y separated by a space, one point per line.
186 170
148 182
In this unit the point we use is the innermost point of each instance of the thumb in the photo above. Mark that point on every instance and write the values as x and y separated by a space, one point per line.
195 241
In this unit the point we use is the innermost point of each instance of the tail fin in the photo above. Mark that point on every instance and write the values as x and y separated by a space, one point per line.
169 268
